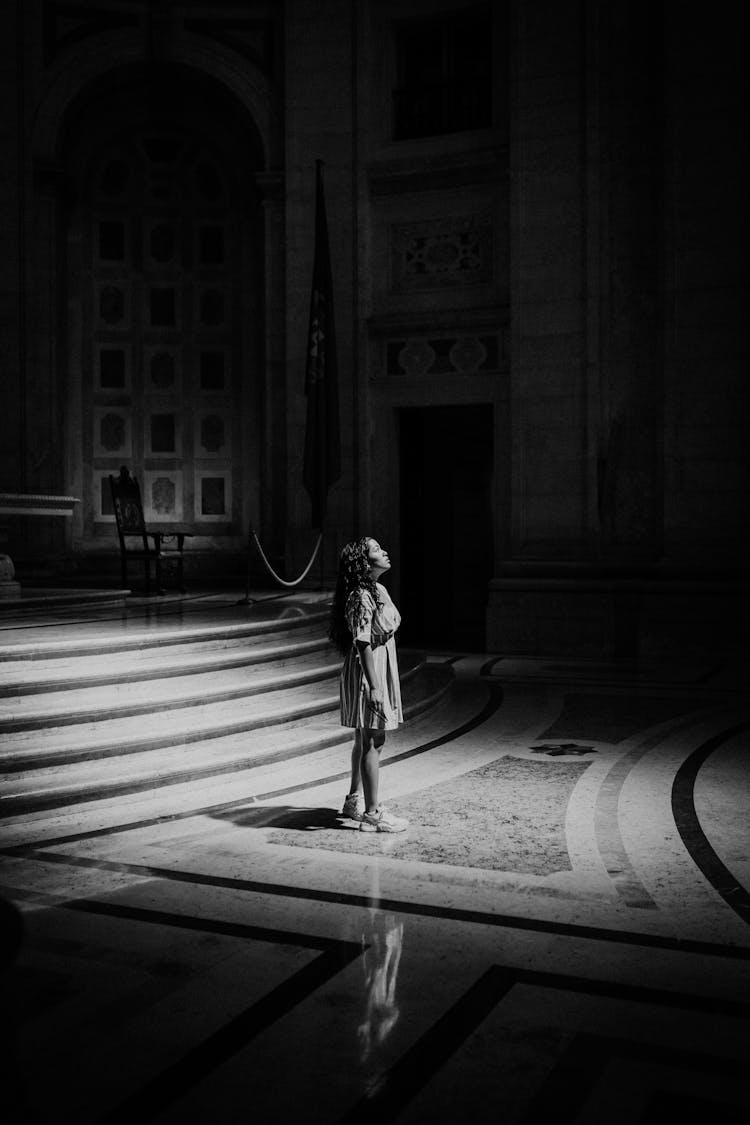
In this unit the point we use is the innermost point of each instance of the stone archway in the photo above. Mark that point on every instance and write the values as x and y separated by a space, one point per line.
237 87
104 55
163 269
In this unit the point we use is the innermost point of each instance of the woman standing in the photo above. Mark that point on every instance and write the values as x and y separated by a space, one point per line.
363 623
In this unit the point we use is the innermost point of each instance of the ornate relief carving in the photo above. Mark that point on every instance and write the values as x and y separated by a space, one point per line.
465 354
416 357
441 254
112 433
163 496
468 354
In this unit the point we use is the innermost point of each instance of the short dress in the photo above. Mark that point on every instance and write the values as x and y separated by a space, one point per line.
378 626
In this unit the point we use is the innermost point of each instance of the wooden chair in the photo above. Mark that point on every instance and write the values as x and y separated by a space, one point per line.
162 548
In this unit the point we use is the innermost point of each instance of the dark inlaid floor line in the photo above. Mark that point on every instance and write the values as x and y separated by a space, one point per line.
575 1074
488 710
606 817
492 704
581 1066
668 1105
636 993
430 1053
129 913
348 950
173 1083
691 833
402 906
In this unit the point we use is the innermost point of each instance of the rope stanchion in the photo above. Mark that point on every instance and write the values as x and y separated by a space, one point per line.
271 571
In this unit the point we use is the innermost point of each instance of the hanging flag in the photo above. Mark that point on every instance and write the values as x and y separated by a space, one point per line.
322 463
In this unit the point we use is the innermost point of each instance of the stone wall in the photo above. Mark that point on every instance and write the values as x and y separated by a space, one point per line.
576 267
629 400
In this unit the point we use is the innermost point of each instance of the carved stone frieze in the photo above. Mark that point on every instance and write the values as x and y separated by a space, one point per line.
112 433
442 253
163 496
456 354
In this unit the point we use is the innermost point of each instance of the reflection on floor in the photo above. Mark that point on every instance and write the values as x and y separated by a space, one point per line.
563 934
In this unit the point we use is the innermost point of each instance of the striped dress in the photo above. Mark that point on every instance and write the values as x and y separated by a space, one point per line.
378 627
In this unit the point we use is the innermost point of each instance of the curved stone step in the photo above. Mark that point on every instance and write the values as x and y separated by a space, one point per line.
96 707
79 781
67 673
104 638
107 737
142 697
198 719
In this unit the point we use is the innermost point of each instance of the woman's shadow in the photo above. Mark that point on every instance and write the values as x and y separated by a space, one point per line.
286 816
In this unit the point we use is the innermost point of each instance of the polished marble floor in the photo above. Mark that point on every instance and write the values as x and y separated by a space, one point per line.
563 934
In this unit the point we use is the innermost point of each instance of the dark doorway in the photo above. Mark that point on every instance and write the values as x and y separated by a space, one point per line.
446 525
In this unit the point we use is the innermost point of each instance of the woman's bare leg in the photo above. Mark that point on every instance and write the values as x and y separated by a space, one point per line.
356 782
372 744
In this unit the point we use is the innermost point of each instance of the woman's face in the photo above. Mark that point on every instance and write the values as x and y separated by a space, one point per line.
377 557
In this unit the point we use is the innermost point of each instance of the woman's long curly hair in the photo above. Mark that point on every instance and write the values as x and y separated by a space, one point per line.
354 574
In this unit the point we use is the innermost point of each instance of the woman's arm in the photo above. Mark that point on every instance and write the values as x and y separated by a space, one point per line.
367 660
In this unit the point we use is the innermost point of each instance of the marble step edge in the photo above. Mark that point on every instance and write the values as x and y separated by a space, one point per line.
101 788
185 634
134 668
150 701
185 646
421 691
110 689
177 735
291 706
34 599
98 788
193 689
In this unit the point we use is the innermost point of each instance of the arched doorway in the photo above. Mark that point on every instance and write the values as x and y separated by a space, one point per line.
162 328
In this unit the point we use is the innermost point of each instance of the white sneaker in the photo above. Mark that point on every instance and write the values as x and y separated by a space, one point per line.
354 807
382 821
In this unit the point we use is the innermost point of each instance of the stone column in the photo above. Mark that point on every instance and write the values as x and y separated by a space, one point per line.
272 513
12 233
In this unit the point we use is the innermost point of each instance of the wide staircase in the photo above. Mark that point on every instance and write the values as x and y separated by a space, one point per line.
129 702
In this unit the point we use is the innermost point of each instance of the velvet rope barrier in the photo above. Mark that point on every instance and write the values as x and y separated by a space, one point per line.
272 572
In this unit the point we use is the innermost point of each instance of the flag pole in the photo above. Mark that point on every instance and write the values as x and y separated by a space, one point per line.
322 450
322 554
